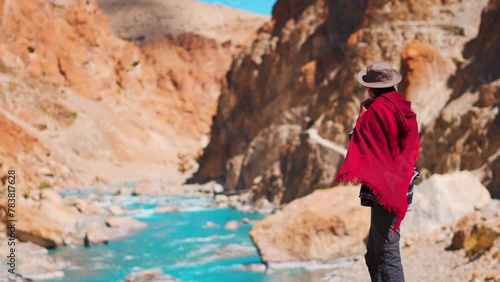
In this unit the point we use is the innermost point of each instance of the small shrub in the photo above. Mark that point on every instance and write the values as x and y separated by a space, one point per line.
45 185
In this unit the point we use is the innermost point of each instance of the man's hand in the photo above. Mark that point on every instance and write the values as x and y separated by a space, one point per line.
365 105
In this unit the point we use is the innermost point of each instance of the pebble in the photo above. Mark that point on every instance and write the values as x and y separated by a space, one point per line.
231 225
210 224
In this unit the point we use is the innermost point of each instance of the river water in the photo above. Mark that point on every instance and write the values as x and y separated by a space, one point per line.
179 243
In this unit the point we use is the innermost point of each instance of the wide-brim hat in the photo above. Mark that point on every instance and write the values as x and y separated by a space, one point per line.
379 75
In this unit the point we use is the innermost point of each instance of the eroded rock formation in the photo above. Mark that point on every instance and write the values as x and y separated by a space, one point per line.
465 135
300 73
90 97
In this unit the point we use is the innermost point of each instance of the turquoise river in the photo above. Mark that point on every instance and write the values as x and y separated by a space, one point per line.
179 243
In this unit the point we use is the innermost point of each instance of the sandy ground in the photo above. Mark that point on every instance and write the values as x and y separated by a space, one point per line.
427 260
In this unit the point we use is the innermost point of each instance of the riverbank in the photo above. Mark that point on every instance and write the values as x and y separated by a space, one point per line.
193 238
90 219
193 233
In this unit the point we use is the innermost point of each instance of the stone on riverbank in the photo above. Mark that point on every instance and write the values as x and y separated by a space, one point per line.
124 222
85 206
116 210
325 224
48 232
150 275
94 237
36 264
58 211
124 191
50 195
147 188
478 231
166 209
210 224
443 199
235 250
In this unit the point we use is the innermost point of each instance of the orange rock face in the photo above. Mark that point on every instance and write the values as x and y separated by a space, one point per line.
425 74
71 45
15 139
65 45
82 105
189 71
15 146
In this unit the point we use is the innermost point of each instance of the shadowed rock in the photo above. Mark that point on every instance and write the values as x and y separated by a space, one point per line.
94 237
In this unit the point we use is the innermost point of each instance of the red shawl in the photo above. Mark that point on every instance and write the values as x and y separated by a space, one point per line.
383 151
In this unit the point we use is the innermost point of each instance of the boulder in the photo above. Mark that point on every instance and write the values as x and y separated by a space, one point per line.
166 209
37 225
147 189
478 231
95 237
36 264
124 222
256 267
150 275
462 229
441 200
235 250
85 206
50 195
323 225
124 191
31 249
494 276
221 199
116 210
66 215
231 225
210 224
33 263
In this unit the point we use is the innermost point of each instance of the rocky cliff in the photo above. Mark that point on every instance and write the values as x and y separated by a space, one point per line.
269 89
298 78
465 135
102 106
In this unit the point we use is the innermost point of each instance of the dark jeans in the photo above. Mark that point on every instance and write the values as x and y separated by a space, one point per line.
382 249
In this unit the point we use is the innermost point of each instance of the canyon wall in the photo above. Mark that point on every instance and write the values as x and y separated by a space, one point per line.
298 78
104 108
466 135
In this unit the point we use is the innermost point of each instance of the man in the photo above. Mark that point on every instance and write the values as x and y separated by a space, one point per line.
382 154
